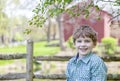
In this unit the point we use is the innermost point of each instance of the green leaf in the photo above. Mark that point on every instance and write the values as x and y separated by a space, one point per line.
27 31
86 16
68 1
35 17
97 8
117 2
87 12
30 23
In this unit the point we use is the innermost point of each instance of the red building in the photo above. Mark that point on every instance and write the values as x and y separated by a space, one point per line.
99 20
115 30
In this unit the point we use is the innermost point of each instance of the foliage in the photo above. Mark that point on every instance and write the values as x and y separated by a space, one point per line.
117 2
3 18
70 43
110 44
9 24
53 8
18 37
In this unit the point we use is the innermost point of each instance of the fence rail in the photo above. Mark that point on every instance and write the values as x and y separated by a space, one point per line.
29 75
14 76
12 56
66 58
51 58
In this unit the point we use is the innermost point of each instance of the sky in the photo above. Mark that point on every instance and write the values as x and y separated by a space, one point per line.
26 6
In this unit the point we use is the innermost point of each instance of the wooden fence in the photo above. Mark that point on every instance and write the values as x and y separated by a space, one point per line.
29 75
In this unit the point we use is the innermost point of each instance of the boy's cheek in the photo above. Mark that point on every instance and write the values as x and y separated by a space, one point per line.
76 45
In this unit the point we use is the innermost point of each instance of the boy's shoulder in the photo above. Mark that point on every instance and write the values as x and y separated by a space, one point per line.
72 59
95 58
97 61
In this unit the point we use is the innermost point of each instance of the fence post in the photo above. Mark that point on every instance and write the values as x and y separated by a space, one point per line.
29 61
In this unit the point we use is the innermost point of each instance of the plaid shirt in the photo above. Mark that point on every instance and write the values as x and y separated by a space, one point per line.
89 68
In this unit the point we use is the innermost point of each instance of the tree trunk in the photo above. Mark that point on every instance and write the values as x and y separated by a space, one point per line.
54 32
61 34
48 31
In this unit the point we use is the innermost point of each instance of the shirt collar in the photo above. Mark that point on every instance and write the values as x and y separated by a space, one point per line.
85 59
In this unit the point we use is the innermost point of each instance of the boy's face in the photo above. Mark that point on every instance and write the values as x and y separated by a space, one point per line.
84 45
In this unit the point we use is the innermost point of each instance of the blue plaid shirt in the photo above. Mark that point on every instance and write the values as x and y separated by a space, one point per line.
89 68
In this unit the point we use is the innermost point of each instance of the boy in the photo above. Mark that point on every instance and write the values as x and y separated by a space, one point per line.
85 66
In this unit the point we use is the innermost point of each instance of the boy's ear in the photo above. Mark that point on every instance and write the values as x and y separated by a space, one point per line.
94 45
73 43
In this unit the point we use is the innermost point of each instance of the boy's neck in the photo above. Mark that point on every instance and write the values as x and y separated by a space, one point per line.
81 56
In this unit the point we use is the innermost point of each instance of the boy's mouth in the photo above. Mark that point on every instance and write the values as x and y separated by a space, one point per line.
83 49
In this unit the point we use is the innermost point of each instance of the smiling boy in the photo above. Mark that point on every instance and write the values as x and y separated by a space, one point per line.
85 65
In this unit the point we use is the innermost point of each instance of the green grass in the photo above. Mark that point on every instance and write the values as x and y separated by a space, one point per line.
40 49
13 49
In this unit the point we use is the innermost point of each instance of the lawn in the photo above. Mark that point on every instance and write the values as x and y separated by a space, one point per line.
40 48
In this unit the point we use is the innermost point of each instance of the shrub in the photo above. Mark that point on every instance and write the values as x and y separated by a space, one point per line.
109 44
70 42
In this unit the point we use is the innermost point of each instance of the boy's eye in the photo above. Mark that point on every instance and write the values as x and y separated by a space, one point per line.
87 40
79 41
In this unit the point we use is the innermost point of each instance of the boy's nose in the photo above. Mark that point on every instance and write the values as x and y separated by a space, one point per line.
82 44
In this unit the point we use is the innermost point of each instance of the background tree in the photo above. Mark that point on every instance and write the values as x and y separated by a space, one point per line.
3 23
10 23
54 8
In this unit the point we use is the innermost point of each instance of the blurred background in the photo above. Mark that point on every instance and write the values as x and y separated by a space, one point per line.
54 38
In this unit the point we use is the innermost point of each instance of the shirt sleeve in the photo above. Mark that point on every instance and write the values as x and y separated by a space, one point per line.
67 73
99 71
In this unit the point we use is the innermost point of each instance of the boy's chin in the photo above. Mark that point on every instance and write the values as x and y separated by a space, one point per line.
83 54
